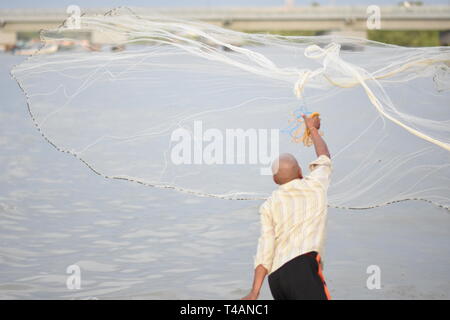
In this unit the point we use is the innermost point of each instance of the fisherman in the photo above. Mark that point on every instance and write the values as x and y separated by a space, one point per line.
293 226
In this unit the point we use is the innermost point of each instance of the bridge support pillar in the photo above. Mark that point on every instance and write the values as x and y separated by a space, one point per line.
444 38
8 38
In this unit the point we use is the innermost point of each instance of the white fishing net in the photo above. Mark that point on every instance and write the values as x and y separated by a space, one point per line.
201 109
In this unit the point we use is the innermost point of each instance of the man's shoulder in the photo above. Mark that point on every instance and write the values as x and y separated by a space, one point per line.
267 204
323 161
320 171
269 200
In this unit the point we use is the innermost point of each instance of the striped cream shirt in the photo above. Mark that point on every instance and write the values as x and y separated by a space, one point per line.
293 218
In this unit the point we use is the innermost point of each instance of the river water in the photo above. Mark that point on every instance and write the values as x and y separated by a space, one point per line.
135 242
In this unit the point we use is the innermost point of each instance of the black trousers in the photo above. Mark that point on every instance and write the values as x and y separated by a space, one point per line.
299 279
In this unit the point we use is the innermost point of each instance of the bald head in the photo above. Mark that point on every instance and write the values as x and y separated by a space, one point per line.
285 169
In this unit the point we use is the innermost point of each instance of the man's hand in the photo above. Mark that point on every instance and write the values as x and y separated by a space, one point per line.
311 122
260 274
251 296
319 144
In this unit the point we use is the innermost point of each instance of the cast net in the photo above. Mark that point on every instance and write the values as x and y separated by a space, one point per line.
194 107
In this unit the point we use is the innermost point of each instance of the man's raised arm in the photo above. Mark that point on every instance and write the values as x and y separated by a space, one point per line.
313 124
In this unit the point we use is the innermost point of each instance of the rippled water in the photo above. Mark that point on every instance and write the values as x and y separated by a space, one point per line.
134 242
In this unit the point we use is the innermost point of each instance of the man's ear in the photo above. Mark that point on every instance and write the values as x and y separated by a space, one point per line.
275 179
300 175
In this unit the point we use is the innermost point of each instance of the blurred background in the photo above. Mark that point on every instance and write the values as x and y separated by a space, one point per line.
406 23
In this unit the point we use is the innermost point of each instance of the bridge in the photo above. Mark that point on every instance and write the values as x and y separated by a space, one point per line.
348 20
